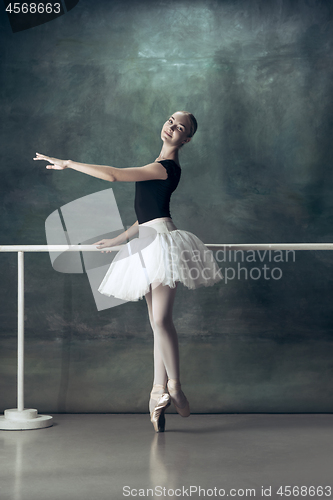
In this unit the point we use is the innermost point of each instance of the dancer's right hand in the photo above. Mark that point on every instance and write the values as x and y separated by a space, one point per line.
106 244
56 164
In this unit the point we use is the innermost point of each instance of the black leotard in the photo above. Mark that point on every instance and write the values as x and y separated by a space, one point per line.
152 198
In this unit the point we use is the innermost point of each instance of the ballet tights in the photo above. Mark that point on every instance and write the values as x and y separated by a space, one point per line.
160 301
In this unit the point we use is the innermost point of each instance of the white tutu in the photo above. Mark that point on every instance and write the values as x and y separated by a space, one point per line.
161 254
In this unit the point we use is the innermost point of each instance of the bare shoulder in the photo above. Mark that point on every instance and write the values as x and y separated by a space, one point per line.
157 170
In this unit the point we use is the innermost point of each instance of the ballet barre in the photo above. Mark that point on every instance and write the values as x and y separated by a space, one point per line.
21 418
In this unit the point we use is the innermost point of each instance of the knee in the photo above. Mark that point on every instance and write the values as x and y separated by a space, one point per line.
162 322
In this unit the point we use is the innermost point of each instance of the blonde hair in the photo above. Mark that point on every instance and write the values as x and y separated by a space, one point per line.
194 123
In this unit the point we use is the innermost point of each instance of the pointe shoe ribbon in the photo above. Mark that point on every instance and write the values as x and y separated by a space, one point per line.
175 387
157 417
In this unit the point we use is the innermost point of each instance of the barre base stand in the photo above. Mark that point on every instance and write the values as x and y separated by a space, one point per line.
21 418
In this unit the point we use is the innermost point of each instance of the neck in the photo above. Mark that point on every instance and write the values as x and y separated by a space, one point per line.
168 153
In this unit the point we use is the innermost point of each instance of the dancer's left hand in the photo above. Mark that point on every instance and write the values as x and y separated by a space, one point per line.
106 243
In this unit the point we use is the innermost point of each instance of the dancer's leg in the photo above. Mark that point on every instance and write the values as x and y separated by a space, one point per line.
165 335
166 338
160 300
160 375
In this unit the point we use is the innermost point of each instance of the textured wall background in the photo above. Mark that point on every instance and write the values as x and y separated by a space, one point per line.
96 85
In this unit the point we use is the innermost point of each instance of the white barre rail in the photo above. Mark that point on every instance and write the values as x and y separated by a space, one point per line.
211 246
20 418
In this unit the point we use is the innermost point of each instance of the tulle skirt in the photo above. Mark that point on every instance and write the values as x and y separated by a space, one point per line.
162 254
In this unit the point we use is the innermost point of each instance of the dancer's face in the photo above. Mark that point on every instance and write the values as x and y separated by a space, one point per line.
176 130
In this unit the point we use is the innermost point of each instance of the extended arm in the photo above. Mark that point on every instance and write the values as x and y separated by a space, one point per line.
112 174
118 240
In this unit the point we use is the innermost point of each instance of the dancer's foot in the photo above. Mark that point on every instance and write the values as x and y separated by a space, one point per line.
178 398
159 402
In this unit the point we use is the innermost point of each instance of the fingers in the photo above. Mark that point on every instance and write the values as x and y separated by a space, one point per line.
40 157
55 163
101 243
44 158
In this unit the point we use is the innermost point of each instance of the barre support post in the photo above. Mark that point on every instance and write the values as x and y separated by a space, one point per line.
20 418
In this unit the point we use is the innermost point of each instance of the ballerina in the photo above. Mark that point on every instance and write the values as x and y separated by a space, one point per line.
170 256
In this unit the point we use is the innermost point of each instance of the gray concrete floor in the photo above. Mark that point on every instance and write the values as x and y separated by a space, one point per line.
94 456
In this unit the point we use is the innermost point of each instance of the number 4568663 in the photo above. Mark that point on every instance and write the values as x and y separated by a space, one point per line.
33 8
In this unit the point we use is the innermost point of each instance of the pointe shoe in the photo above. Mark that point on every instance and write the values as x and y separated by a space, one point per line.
157 417
174 387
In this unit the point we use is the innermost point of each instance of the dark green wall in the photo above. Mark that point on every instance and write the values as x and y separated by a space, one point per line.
96 85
